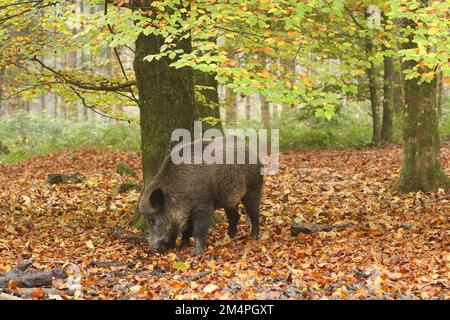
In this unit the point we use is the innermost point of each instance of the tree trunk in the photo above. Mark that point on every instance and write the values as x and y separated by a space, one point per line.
265 111
82 62
42 104
166 102
210 106
2 103
388 115
397 88
71 63
374 101
421 169
248 108
230 105
440 92
374 105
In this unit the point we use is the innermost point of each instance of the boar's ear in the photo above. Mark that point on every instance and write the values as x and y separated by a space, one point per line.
157 198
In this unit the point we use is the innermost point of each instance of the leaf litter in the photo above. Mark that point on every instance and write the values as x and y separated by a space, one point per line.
396 246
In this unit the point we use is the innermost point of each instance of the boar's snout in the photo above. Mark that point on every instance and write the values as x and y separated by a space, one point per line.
162 245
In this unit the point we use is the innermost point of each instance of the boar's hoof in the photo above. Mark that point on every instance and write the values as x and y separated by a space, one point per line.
199 249
232 233
185 243
198 252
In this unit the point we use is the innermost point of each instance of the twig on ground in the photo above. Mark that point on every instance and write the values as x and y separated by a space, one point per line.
308 228
109 264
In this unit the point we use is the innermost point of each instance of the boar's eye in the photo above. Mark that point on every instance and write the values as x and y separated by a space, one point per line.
151 221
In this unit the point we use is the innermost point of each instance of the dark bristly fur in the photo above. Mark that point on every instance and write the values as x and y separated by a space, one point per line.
181 198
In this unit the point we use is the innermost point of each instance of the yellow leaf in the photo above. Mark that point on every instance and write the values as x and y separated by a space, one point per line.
26 200
11 229
172 256
210 288
90 244
428 75
77 294
433 31
306 81
264 73
135 288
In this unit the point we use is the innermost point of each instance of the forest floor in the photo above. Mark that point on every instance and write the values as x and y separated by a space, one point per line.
396 246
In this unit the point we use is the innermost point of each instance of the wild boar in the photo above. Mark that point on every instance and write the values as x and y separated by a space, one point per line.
182 197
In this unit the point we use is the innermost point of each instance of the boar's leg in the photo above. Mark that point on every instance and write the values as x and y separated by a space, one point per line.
201 223
233 218
187 234
251 203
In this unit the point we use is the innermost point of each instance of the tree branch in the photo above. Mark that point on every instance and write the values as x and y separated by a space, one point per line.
9 17
118 57
93 108
350 13
19 3
81 85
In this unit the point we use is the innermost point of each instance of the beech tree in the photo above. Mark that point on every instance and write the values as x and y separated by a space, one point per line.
425 27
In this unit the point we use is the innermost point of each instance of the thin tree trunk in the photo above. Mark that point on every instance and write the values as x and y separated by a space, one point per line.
71 108
55 106
55 96
388 115
42 102
397 88
248 108
374 105
421 168
82 63
211 106
374 100
230 105
265 111
2 103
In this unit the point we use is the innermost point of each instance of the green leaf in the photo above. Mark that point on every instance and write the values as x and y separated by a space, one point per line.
180 265
172 55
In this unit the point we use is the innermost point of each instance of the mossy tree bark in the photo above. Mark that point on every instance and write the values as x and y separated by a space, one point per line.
440 93
166 102
397 88
421 168
388 98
